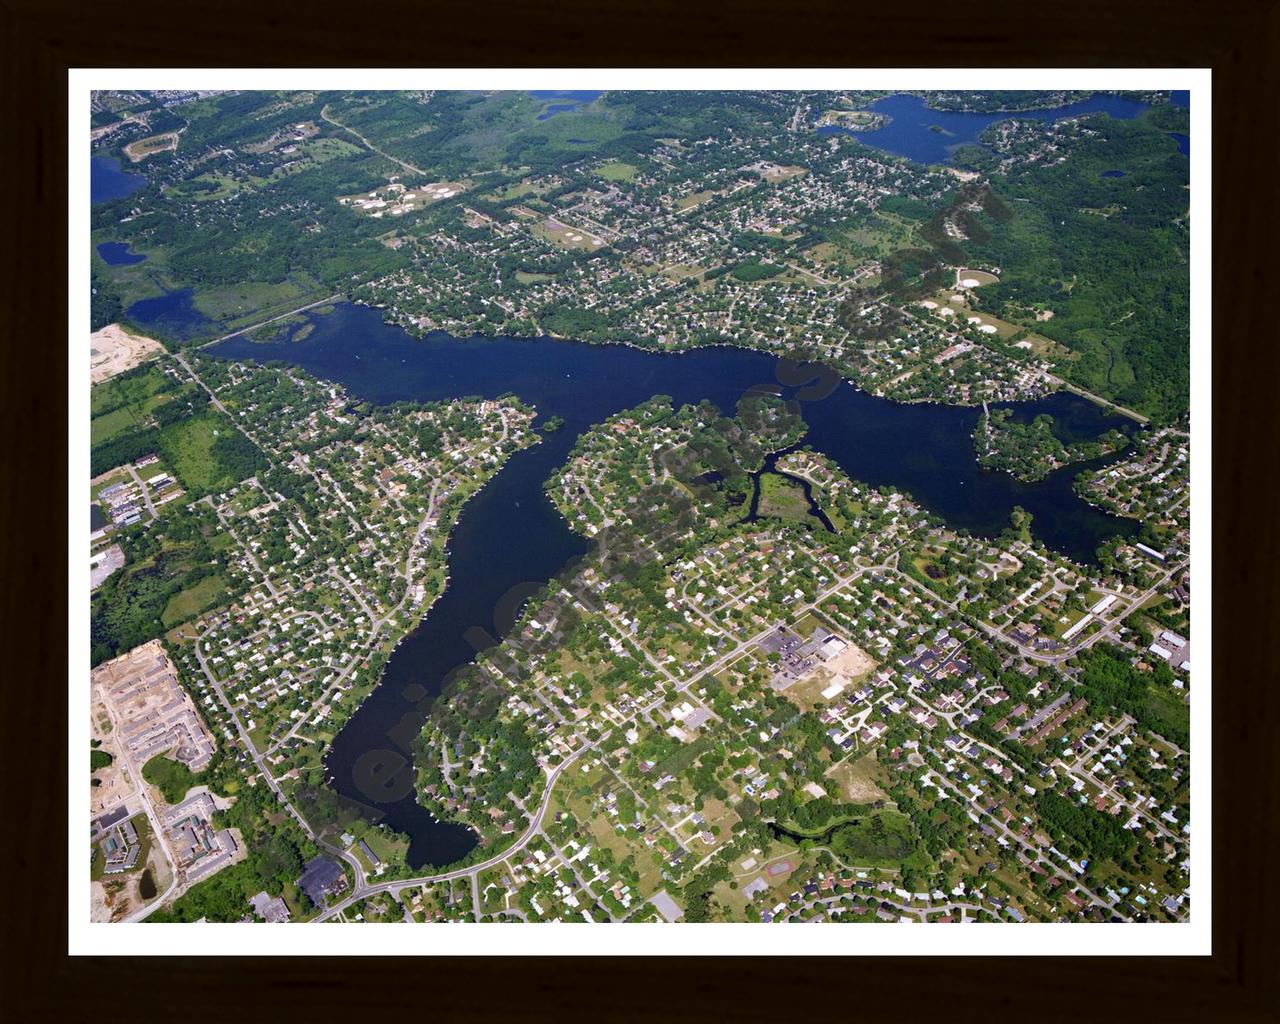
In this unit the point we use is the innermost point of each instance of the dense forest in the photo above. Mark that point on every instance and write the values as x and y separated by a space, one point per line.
1108 256
1108 679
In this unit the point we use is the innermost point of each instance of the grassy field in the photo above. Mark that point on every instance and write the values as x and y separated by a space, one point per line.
980 276
567 237
616 170
1170 709
520 188
106 426
1065 621
387 848
191 448
860 780
247 303
325 149
125 403
690 201
191 602
204 188
126 392
880 234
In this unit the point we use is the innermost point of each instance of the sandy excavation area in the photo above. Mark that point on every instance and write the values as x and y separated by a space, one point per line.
112 350
850 664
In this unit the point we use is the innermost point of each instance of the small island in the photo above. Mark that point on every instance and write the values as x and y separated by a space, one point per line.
854 120
1031 451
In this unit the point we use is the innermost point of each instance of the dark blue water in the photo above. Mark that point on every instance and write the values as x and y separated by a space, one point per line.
910 132
1074 419
96 519
572 99
117 254
171 315
581 95
107 181
1181 98
510 534
1114 174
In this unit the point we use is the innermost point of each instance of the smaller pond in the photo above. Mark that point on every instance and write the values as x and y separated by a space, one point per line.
1114 174
107 180
147 886
117 254
173 314
784 834
568 99
771 467
96 519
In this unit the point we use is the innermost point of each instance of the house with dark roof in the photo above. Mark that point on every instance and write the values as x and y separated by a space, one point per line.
322 877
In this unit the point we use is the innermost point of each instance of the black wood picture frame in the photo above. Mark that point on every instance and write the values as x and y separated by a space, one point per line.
1238 39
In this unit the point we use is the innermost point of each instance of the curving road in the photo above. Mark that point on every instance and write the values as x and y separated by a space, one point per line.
363 889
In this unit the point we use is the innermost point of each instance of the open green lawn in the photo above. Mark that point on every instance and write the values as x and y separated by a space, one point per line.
390 849
203 188
111 423
1065 620
189 603
191 446
125 403
130 390
616 170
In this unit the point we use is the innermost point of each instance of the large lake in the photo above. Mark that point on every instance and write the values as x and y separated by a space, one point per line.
930 136
510 534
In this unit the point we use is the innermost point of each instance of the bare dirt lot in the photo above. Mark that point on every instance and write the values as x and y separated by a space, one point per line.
859 780
852 663
114 783
149 710
112 350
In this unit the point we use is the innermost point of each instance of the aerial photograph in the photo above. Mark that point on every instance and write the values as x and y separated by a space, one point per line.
636 506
